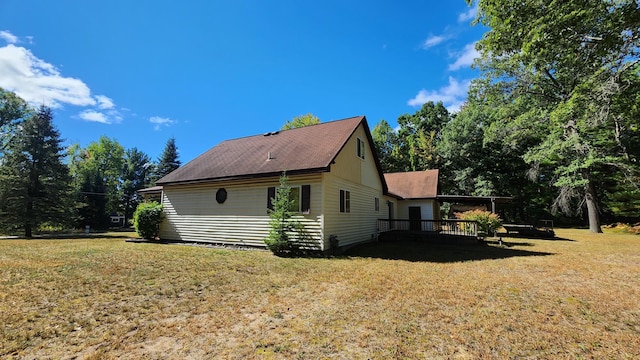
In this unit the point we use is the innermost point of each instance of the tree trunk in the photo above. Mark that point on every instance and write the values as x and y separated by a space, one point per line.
29 217
592 208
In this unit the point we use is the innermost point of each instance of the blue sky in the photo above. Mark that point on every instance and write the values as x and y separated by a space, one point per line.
205 71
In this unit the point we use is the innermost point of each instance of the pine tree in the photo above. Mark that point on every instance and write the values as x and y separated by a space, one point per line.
34 179
168 161
280 223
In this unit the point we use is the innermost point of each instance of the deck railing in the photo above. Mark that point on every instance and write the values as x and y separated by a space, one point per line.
439 227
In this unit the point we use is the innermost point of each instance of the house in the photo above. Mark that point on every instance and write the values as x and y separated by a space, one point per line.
418 192
223 196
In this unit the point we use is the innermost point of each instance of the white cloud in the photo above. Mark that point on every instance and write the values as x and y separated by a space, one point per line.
95 116
469 14
108 116
104 102
8 37
452 96
433 40
160 121
466 57
39 82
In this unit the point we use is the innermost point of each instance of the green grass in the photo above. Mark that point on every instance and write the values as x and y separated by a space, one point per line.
103 298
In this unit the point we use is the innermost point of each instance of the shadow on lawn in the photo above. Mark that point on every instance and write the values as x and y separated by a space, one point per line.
439 253
517 236
106 235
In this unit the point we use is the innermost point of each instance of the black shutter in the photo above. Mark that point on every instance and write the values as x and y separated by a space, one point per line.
271 194
306 199
341 200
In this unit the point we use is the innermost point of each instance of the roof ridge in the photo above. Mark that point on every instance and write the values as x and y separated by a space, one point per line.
299 128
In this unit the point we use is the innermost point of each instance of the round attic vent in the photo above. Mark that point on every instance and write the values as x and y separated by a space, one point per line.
221 196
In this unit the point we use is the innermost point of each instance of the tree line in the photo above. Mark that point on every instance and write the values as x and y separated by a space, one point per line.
553 120
44 184
474 160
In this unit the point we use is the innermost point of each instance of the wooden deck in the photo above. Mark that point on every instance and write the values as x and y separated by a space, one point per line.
446 230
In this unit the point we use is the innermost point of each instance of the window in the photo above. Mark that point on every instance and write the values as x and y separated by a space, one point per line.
294 196
301 196
377 204
360 149
345 201
306 199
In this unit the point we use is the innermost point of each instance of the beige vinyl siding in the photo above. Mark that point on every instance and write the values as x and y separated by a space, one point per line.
384 208
428 209
350 167
360 177
192 213
358 225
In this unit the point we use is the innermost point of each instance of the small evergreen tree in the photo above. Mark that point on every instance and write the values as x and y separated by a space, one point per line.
33 178
281 223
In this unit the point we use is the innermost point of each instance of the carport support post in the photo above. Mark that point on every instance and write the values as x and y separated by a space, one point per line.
493 205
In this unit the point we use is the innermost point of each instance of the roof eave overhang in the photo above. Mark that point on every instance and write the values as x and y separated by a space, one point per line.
421 198
246 176
400 197
474 198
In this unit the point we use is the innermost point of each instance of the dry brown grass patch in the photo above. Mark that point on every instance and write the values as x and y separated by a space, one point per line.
104 298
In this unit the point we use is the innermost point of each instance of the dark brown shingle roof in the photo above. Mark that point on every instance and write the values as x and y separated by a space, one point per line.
307 149
413 185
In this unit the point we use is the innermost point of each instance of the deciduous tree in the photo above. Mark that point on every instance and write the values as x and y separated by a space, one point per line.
301 121
387 144
13 110
135 176
97 171
418 136
562 67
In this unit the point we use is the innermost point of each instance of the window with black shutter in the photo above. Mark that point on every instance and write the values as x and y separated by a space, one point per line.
300 195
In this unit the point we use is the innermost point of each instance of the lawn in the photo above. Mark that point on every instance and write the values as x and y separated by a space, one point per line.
103 298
